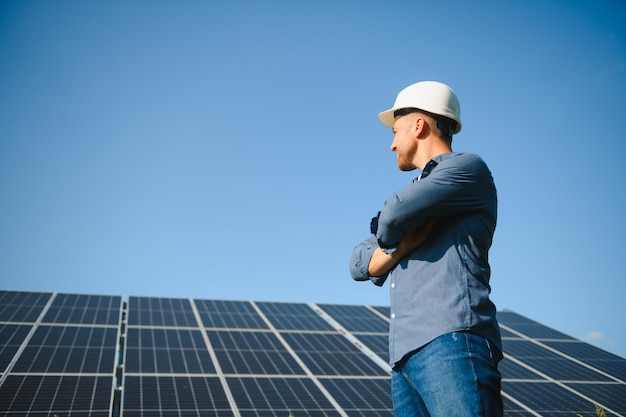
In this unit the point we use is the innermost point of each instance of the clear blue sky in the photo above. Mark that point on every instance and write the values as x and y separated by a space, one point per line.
232 150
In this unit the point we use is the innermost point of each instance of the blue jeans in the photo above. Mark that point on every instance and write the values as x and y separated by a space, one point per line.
454 375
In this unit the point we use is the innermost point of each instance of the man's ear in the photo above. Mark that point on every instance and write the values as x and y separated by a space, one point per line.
421 127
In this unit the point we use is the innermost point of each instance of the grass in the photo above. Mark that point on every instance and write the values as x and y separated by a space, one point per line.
599 411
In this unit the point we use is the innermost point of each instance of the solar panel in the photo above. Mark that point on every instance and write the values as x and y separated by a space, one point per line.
293 316
146 395
379 344
22 307
84 309
596 357
279 397
361 396
13 336
514 370
155 311
550 363
69 354
528 327
153 350
357 319
64 349
229 314
253 353
612 395
548 398
331 354
24 395
67 349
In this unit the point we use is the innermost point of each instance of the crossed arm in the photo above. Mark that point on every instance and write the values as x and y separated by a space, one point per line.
381 262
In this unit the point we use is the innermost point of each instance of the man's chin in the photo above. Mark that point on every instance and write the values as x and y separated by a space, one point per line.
406 168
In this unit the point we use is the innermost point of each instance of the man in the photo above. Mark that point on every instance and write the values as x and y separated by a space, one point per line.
431 241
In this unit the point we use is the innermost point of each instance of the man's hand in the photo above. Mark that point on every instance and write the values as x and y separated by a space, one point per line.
381 263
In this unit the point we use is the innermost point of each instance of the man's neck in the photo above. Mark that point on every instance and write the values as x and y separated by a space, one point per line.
436 148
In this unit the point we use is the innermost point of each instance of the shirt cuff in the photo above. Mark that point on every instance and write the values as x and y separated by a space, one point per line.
360 260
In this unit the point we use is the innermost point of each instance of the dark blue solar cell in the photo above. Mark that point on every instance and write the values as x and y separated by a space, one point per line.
595 357
331 354
511 370
548 398
255 353
505 333
550 363
61 395
293 316
11 338
379 344
356 318
22 307
85 309
229 314
512 409
384 310
69 349
167 351
357 395
174 396
279 396
528 327
610 395
155 311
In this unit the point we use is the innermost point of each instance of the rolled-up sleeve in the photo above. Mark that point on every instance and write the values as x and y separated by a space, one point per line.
360 259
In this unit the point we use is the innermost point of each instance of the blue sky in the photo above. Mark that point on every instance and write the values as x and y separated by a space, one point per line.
232 150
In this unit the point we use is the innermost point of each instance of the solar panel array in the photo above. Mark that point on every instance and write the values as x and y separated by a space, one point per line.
71 355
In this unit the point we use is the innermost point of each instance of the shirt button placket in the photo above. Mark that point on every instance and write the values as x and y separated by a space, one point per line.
393 285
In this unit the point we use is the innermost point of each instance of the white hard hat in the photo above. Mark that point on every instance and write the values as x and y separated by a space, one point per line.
432 96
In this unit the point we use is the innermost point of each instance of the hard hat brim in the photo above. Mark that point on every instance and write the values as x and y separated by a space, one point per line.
387 117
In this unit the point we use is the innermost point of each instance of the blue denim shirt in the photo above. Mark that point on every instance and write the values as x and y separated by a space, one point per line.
442 286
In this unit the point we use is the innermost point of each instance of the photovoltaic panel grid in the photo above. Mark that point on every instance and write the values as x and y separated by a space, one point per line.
76 355
58 354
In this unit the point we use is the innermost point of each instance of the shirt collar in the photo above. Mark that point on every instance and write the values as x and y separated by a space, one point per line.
431 165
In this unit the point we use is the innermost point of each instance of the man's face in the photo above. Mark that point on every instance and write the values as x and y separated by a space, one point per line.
405 141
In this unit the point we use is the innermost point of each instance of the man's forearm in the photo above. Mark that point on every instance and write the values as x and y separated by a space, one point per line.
381 262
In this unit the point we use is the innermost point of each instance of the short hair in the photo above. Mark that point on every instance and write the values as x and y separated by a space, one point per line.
443 126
